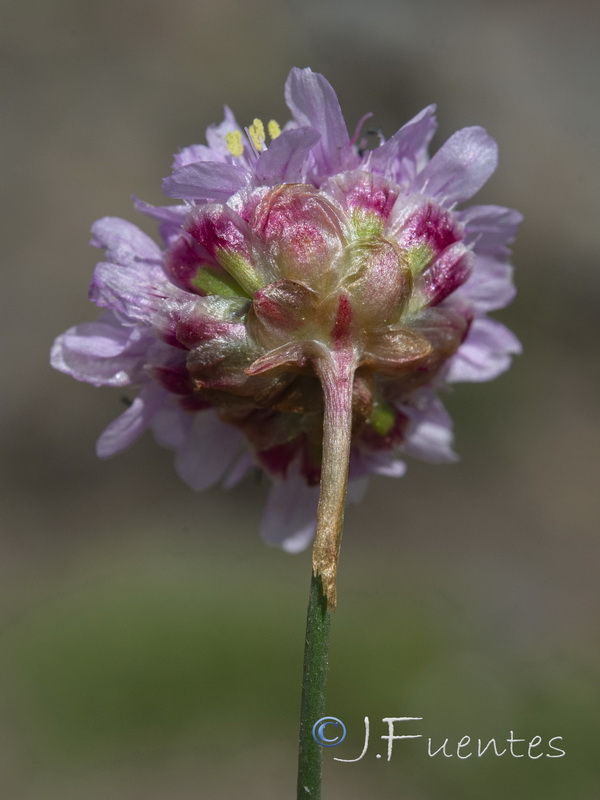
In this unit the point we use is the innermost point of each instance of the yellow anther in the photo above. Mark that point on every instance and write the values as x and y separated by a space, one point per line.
273 128
257 134
234 143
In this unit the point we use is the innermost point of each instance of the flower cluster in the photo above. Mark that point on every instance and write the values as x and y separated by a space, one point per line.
307 302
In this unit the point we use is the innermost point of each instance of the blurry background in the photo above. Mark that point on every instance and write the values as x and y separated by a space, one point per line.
151 645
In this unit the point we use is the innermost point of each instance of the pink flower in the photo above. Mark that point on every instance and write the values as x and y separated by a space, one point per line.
309 300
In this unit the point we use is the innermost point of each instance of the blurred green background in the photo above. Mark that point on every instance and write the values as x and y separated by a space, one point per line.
151 644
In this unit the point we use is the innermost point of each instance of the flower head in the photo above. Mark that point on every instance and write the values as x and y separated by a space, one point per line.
309 299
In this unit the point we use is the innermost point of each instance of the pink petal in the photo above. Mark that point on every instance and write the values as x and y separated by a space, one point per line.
429 435
239 470
171 425
290 516
206 180
489 286
141 292
170 217
192 155
283 161
217 144
490 228
313 102
216 135
103 353
485 353
124 242
362 464
126 428
386 465
409 143
210 448
173 214
460 167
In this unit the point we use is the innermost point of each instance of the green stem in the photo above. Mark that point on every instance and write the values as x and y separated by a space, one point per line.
314 683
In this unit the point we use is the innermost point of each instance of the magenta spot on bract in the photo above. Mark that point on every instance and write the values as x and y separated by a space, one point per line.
173 379
309 468
430 226
362 191
169 336
273 313
183 260
378 199
215 229
194 402
195 330
277 459
341 333
446 274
